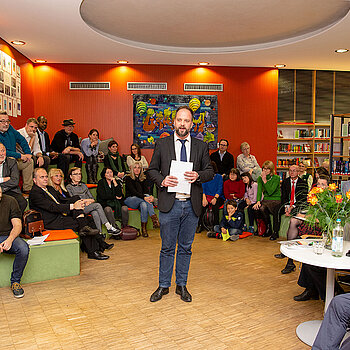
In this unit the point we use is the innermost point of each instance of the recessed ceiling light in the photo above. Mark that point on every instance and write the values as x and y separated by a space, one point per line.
122 62
279 65
18 42
341 50
203 63
40 61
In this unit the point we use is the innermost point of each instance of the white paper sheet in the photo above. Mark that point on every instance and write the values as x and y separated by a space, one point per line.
178 169
37 240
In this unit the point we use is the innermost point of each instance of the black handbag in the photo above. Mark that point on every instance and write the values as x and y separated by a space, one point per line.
208 218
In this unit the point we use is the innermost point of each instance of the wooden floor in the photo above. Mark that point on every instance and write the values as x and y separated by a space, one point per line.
240 301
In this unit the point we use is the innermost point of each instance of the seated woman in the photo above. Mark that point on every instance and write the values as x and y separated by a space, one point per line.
77 188
298 227
304 174
91 240
234 187
247 162
89 148
251 191
136 156
114 161
137 198
110 196
231 224
269 186
212 195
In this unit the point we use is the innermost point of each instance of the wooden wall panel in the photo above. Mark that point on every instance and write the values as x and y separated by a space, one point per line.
247 107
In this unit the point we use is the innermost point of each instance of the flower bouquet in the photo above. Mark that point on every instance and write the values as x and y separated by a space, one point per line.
325 207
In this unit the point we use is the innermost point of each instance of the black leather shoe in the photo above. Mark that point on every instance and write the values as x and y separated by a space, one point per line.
88 231
98 256
157 295
199 229
183 292
108 246
279 256
288 269
307 294
273 237
114 231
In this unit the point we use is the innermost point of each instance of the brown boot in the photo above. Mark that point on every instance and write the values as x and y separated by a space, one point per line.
155 221
144 229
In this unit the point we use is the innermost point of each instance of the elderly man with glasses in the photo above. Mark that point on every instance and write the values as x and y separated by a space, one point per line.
222 158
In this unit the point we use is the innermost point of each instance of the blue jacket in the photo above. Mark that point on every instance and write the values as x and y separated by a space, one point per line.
236 221
9 139
213 187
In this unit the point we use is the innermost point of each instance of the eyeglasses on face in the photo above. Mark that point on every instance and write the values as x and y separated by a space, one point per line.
76 174
223 144
4 121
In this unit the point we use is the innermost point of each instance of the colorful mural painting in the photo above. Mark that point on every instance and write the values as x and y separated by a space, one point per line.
154 115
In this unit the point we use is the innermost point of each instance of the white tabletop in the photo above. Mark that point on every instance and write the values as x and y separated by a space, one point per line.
307 256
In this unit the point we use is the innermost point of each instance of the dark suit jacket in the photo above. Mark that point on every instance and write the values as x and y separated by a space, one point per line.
10 169
224 165
159 168
301 189
59 143
49 209
47 143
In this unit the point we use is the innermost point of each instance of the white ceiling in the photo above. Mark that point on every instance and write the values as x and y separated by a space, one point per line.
302 34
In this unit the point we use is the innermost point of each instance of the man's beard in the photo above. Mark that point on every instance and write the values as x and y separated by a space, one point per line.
181 132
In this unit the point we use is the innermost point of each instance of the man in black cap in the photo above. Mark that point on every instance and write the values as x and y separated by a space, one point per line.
66 143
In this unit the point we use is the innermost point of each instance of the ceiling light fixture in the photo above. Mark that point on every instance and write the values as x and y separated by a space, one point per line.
203 63
40 61
18 42
279 65
341 50
122 62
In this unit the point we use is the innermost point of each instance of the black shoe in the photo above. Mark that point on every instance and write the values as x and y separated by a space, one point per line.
108 246
307 294
211 234
157 295
273 237
17 290
88 231
98 256
114 231
288 269
199 229
279 256
183 292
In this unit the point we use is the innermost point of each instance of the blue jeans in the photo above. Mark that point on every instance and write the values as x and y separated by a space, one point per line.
21 250
140 204
177 226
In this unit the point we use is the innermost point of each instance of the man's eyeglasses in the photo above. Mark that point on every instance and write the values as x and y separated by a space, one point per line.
76 174
5 121
222 144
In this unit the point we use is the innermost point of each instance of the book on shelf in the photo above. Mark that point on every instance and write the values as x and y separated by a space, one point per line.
320 133
317 164
340 167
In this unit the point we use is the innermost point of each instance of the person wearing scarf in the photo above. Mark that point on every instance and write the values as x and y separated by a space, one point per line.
114 161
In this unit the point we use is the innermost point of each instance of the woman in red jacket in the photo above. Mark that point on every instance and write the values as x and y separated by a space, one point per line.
234 188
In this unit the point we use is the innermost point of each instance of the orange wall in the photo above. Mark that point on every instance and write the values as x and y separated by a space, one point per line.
27 83
247 107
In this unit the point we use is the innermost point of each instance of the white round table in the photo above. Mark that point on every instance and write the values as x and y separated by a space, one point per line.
307 331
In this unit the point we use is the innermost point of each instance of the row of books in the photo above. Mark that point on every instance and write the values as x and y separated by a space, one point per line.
290 161
340 167
289 147
322 133
322 147
282 174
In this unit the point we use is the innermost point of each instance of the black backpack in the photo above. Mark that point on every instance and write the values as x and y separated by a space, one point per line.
208 218
33 224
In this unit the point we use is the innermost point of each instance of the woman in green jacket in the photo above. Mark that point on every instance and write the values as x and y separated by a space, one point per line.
269 198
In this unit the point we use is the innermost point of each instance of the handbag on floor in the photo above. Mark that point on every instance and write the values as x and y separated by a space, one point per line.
208 218
129 233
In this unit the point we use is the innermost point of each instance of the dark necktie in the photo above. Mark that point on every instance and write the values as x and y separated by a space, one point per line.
183 154
292 193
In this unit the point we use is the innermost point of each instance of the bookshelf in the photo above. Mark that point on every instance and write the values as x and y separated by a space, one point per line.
339 160
302 141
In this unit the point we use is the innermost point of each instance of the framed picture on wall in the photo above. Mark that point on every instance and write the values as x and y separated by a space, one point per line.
13 92
7 63
7 90
9 106
18 88
4 103
1 102
19 72
19 107
13 82
14 108
2 88
1 76
14 67
1 60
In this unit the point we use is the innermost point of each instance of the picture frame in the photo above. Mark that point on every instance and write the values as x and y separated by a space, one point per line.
1 102
19 107
19 88
9 106
4 103
13 67
19 72
7 63
7 90
2 88
2 77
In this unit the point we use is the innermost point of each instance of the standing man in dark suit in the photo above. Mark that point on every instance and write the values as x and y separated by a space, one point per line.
178 212
293 195
223 159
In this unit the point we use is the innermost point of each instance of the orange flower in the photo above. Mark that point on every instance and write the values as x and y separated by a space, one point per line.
312 200
332 187
338 198
348 194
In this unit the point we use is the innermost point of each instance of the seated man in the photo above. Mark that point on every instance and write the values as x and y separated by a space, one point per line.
9 137
334 325
10 243
59 212
9 178
29 133
66 142
223 159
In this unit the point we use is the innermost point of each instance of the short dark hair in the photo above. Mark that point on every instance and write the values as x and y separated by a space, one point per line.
325 177
231 202
92 131
40 118
103 172
111 143
4 113
184 107
224 140
235 171
249 176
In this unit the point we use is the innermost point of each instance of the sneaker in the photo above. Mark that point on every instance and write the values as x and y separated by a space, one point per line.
114 231
17 290
234 237
211 234
251 229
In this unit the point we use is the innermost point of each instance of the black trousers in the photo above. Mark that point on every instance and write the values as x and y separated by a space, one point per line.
63 161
